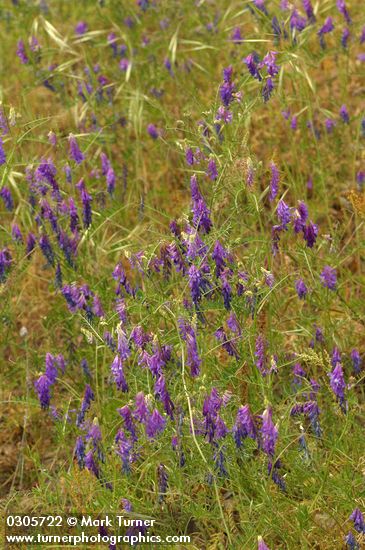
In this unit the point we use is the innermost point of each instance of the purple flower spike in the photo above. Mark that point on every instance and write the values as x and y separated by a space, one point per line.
358 520
163 394
236 36
341 6
90 463
251 62
75 152
162 478
155 424
2 153
152 131
16 233
297 21
356 361
21 53
188 334
244 426
118 373
344 114
5 194
260 5
308 8
274 182
351 542
81 28
325 29
80 452
260 353
212 171
330 124
42 386
338 384
261 544
310 233
328 277
284 213
269 433
301 288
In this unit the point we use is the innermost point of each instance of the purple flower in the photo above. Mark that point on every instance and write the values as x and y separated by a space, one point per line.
42 386
356 361
52 138
97 308
337 383
244 426
4 127
233 324
16 233
163 394
274 182
284 213
269 433
79 452
46 248
126 413
260 354
5 194
211 407
124 64
336 356
267 89
341 6
251 62
294 123
51 368
188 335
351 542
301 288
212 171
344 114
86 203
85 405
330 124
81 28
21 52
308 8
226 343
75 152
110 181
141 409
326 28
328 277
155 424
297 21
269 62
310 233
236 36
90 463
162 479
261 544
152 130
300 216
226 93
31 242
260 5
345 37
358 520
2 153
118 374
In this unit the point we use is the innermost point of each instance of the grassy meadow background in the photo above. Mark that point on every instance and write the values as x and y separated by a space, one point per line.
135 136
